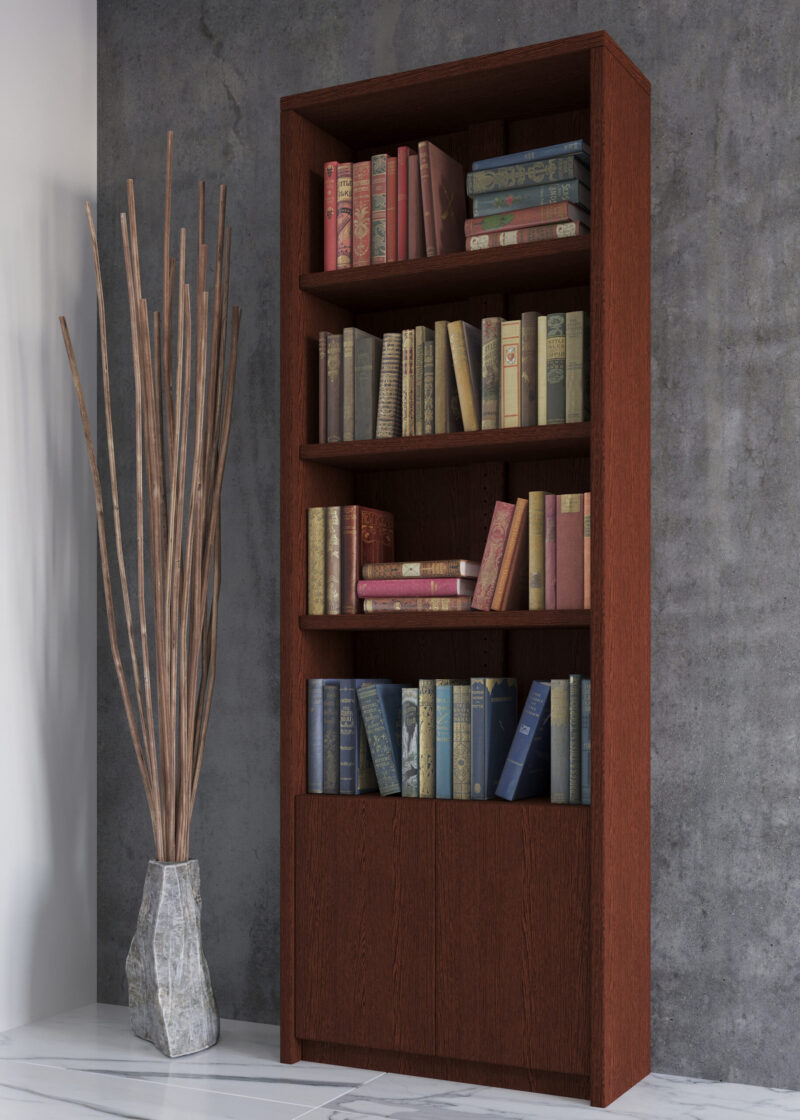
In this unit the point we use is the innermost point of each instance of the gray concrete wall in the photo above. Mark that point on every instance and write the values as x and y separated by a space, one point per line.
726 459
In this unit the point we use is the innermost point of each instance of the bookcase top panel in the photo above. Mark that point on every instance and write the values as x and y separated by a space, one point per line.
544 78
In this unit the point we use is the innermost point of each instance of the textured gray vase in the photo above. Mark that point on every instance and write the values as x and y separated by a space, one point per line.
169 988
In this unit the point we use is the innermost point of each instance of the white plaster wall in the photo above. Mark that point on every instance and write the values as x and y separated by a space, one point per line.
48 616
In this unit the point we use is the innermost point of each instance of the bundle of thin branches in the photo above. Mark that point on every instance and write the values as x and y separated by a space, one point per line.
183 401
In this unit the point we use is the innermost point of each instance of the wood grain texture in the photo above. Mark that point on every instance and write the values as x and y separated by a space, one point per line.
448 620
620 468
512 935
365 922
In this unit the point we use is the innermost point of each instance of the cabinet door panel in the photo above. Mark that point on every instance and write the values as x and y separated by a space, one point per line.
365 922
512 928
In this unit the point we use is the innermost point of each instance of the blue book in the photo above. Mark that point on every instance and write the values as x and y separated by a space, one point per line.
569 148
526 772
381 708
494 720
330 736
314 736
444 739
366 782
586 749
348 736
575 739
520 199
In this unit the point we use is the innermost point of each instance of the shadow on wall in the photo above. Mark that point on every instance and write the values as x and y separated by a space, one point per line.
48 648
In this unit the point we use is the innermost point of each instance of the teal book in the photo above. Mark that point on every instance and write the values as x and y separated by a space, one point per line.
330 737
444 739
556 368
569 147
381 708
526 772
521 198
409 778
366 781
421 336
574 739
314 736
367 363
586 741
526 173
494 721
559 742
491 365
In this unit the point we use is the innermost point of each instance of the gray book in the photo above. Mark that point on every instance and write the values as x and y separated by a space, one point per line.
559 742
428 388
577 367
447 410
348 383
556 368
528 384
323 387
334 396
409 777
389 420
367 363
574 739
421 336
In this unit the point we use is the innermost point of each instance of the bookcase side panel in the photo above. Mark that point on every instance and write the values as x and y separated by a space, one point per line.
620 469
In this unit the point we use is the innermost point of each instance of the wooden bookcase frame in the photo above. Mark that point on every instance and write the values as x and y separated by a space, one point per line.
488 942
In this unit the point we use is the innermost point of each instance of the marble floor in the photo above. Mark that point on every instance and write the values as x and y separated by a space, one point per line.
86 1064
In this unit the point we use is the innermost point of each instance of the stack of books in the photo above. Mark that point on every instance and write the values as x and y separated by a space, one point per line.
423 585
454 376
392 207
536 195
339 541
448 738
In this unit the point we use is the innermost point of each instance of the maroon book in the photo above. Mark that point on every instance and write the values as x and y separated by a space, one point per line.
416 233
449 200
367 538
569 552
550 551
391 209
329 223
403 153
396 588
492 556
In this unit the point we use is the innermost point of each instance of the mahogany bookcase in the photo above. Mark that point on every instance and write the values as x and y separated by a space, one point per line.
491 942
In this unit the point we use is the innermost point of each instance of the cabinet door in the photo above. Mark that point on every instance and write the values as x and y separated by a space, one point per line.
364 930
512 934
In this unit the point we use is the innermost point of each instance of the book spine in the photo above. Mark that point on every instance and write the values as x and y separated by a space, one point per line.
409 383
536 578
527 197
559 742
548 214
314 750
378 209
362 210
329 216
330 737
541 369
389 422
524 773
478 738
427 738
421 569
550 551
428 374
388 588
348 384
367 362
500 723
418 603
556 368
416 235
403 153
528 353
391 208
512 576
366 779
323 387
492 556
379 742
315 560
377 536
575 362
567 148
419 381
349 559
426 191
574 739
466 396
444 740
569 552
333 559
510 384
462 743
409 777
526 235
513 176
491 364
344 215
587 550
348 736
586 741
334 395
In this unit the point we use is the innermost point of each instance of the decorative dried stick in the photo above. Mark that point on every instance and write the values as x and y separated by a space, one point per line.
183 589
166 358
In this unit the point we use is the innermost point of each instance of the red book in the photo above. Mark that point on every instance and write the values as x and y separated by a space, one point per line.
550 552
393 588
367 538
569 552
416 234
587 551
403 154
530 216
391 208
362 213
344 215
492 556
509 592
550 232
329 220
426 192
449 200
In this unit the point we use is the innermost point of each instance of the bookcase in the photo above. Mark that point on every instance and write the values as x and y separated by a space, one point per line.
481 941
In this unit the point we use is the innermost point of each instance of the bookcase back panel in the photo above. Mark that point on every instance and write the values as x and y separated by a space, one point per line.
536 655
547 300
558 476
408 656
523 133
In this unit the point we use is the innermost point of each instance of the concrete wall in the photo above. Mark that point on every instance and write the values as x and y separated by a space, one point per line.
48 649
726 610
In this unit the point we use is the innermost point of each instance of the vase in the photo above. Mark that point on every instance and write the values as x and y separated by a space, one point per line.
169 987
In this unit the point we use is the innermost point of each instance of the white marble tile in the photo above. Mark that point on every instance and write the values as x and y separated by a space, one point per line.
98 1039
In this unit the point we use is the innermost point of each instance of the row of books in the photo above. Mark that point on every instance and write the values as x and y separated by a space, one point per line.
452 739
392 207
535 195
454 376
340 540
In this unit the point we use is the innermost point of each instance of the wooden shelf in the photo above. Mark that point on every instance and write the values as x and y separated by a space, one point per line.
449 620
537 805
510 268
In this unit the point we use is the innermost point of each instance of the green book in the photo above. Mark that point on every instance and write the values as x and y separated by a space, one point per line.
574 739
367 367
330 737
348 383
462 742
421 336
576 363
556 357
491 364
559 742
428 388
427 738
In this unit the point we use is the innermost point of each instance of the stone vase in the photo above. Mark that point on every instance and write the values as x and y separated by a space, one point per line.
169 988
